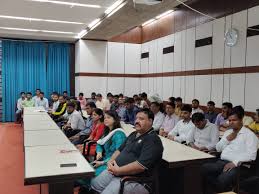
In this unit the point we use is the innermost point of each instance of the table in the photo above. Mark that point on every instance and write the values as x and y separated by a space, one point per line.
36 125
44 138
34 111
42 165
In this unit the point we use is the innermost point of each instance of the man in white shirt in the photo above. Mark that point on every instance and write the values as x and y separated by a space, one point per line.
101 103
159 117
195 106
238 145
75 122
55 104
205 135
19 107
182 129
42 102
37 95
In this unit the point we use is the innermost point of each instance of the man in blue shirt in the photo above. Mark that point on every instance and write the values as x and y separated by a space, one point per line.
131 111
82 135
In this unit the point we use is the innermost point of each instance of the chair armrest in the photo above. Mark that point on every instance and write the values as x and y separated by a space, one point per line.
140 180
89 143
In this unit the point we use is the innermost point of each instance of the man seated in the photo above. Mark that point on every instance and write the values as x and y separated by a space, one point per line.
178 106
211 114
61 110
82 100
144 101
255 125
205 135
195 106
159 117
237 145
18 112
121 111
115 104
65 95
55 102
28 102
101 103
182 129
138 156
222 118
75 122
109 100
131 111
41 101
84 134
37 95
170 120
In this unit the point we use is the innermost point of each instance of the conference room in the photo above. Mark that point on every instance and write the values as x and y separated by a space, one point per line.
129 96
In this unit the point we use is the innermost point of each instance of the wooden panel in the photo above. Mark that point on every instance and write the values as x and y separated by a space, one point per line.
131 36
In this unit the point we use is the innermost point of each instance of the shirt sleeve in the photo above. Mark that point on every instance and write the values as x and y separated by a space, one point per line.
190 138
47 104
151 153
220 146
159 121
214 138
61 111
174 131
217 121
74 121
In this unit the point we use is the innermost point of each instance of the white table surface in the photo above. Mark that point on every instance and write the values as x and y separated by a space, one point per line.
44 161
35 125
37 117
175 152
45 138
34 111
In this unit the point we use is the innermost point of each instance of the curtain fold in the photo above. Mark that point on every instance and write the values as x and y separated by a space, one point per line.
27 66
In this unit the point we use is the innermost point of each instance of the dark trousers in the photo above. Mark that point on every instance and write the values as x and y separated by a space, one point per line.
217 180
71 132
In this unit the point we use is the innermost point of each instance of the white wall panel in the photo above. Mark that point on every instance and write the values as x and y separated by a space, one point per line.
182 95
251 92
152 57
151 86
203 57
132 86
202 88
144 84
132 58
253 16
238 52
237 89
183 51
218 43
227 60
93 84
159 86
252 58
177 86
115 85
204 30
167 87
144 65
217 89
189 90
159 54
177 64
190 48
116 57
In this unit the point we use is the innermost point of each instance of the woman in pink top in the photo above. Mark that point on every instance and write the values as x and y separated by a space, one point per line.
82 100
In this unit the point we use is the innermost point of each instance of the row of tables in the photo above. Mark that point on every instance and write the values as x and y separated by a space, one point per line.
46 149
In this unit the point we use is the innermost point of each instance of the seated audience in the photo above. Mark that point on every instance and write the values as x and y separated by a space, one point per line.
135 97
65 94
82 100
182 129
144 101
28 102
109 100
96 131
61 110
237 145
131 111
159 117
246 119
211 114
205 135
18 112
115 104
93 97
37 95
84 134
255 125
41 101
132 158
171 99
178 106
195 106
55 102
222 118
101 103
75 122
137 102
121 109
121 95
170 120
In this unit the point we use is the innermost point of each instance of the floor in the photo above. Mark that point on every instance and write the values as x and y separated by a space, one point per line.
12 162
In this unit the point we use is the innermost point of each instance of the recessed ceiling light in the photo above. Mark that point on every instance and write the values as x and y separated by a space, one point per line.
113 6
38 19
82 34
67 3
94 23
35 30
148 22
164 14
116 9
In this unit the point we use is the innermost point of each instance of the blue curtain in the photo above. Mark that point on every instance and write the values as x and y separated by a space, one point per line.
23 69
58 72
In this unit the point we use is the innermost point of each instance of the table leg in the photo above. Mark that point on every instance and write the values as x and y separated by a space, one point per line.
192 180
61 188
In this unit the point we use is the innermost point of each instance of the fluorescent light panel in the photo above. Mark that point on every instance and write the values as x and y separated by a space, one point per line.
113 6
35 30
164 14
82 34
38 19
67 3
94 23
148 22
116 9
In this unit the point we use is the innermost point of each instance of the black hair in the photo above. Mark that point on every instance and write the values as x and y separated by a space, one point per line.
196 100
135 95
109 94
99 95
42 93
81 94
38 89
144 95
71 104
129 100
187 108
116 96
91 104
197 117
171 104
72 98
64 92
172 99
257 110
22 93
121 95
179 99
238 111
156 103
29 93
100 113
116 123
93 94
211 103
147 112
228 104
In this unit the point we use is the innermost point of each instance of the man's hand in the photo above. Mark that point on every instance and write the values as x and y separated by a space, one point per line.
194 146
229 166
113 168
170 137
232 136
96 163
203 149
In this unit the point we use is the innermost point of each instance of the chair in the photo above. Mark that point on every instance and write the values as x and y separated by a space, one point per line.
89 143
151 180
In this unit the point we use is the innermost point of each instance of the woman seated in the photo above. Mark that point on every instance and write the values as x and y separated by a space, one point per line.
97 131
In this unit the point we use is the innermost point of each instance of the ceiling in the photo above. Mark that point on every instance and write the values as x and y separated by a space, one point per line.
126 18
